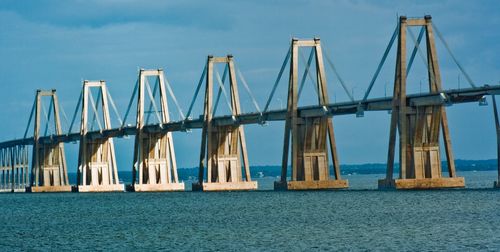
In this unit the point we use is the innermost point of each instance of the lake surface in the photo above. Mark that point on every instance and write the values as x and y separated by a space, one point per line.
355 219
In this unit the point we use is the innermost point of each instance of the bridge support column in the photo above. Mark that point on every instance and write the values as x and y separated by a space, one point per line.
418 126
496 184
97 171
20 167
223 147
49 171
5 170
312 138
154 154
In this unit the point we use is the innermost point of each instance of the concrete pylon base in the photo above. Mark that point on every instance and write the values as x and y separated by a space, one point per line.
12 190
8 190
19 190
102 188
226 186
422 184
169 187
496 184
37 189
311 185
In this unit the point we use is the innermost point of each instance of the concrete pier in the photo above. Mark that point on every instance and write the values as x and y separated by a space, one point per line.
422 183
49 172
312 138
159 187
419 125
155 164
226 186
223 147
40 189
311 185
97 170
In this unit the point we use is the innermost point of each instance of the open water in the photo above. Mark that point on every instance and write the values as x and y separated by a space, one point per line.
355 219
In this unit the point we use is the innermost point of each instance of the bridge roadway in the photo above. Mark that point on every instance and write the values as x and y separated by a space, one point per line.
446 97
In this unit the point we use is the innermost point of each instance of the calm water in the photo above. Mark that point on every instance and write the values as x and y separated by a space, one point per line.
264 220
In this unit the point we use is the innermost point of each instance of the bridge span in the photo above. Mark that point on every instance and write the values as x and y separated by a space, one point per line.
309 142
445 97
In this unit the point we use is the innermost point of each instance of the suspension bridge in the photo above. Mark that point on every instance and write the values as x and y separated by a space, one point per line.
309 148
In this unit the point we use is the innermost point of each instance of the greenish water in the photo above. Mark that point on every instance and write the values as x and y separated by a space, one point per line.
464 220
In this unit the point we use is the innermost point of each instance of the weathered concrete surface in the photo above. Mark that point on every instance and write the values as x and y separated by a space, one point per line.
311 185
9 190
170 187
102 188
50 188
424 183
226 186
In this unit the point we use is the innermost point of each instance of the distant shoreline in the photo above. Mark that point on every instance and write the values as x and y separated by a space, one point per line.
346 169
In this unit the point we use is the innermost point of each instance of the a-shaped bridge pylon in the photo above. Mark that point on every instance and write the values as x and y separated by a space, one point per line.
49 171
154 155
418 125
223 147
97 170
312 138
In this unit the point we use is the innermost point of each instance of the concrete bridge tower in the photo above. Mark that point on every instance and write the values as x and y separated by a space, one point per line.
154 154
97 171
312 138
223 147
49 171
418 126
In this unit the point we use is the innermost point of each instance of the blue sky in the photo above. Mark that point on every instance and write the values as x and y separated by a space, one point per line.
57 44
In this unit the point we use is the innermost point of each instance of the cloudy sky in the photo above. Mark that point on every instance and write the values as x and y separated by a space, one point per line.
57 44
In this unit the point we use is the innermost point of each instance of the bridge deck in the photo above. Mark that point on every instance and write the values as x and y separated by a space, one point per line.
377 104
